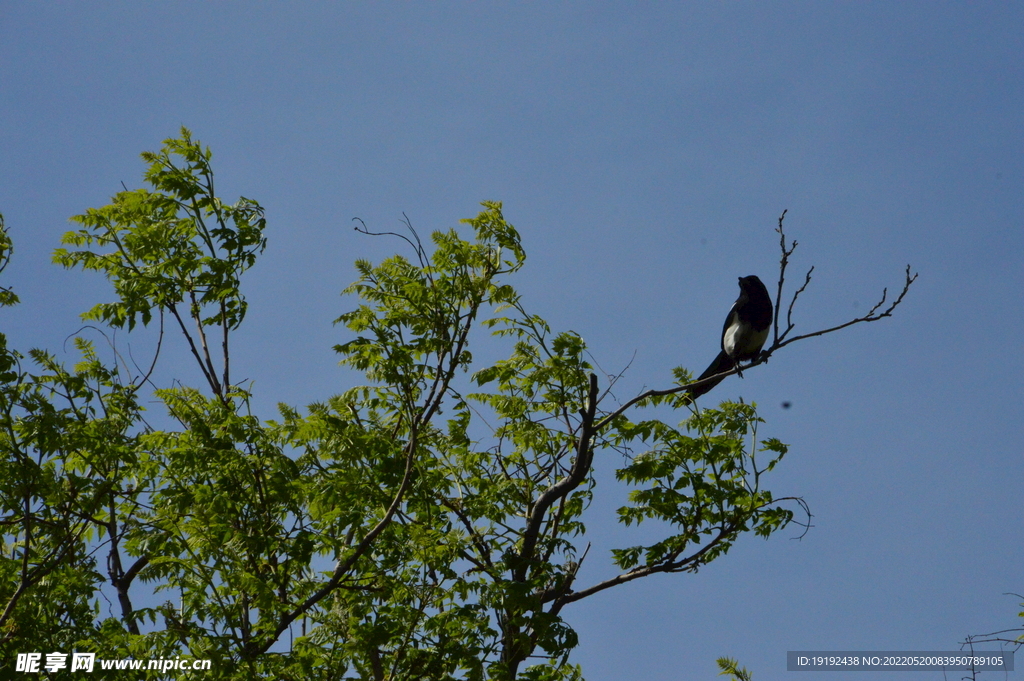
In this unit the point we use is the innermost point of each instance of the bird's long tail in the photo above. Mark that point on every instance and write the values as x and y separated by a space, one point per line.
721 363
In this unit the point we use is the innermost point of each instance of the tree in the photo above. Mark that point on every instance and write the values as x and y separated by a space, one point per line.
425 525
1002 637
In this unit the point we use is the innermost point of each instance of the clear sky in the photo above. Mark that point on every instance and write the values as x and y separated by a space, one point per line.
644 151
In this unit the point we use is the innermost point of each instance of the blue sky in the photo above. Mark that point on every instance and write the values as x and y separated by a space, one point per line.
644 151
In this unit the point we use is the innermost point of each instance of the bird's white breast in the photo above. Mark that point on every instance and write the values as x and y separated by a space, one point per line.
741 339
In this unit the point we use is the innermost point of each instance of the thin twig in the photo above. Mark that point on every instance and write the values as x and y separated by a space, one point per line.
871 316
789 312
782 269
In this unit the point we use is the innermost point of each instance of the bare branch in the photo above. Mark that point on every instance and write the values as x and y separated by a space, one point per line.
789 312
872 316
786 252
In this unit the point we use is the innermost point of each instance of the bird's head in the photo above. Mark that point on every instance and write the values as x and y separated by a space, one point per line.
752 284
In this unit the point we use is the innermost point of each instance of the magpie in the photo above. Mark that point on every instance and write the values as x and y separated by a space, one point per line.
745 331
